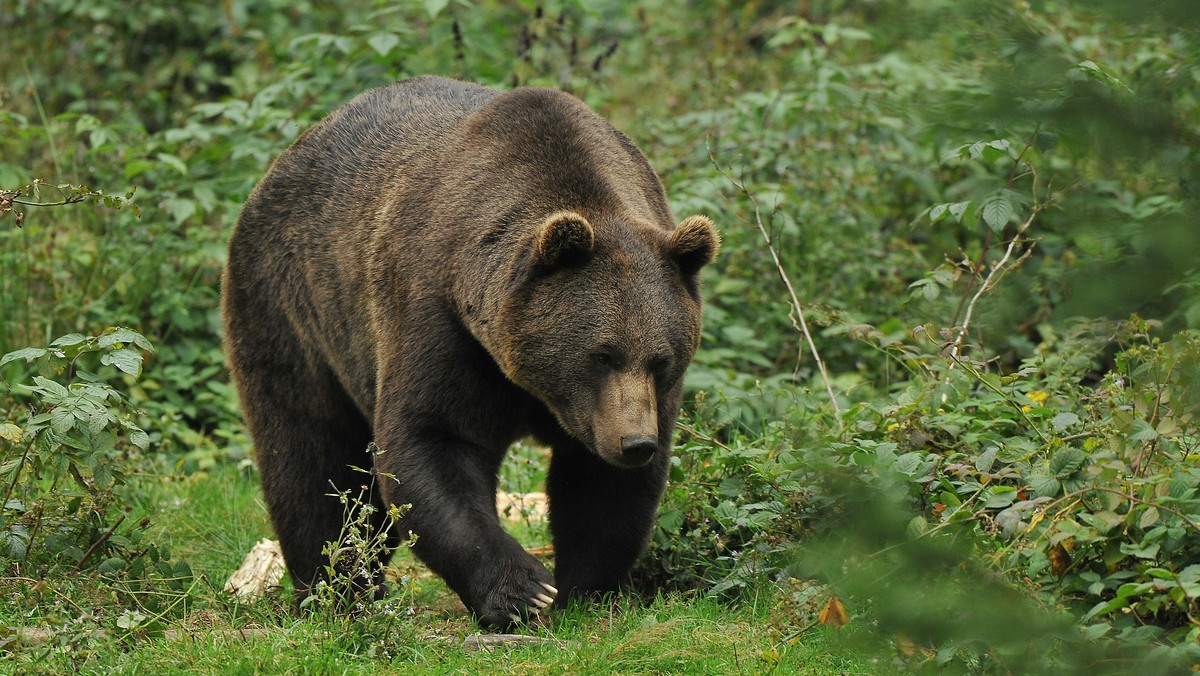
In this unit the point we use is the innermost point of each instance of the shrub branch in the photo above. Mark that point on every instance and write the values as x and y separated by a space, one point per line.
797 310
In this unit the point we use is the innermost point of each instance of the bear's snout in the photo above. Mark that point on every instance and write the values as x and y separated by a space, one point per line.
636 450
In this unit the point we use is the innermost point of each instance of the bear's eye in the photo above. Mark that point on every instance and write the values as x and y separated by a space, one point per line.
606 359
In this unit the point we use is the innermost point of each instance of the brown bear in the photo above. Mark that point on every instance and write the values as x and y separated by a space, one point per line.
443 268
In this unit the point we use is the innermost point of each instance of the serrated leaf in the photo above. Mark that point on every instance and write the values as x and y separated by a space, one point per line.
1189 580
1149 517
1103 520
139 438
102 478
49 387
97 420
908 464
120 334
1044 485
917 526
984 462
69 340
997 209
28 354
1067 461
1045 140
61 421
1063 420
958 209
129 361
1140 551
1143 431
731 487
994 150
112 565
937 212
383 43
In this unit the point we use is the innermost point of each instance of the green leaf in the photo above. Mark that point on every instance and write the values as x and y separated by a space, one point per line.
671 521
959 208
937 212
1103 521
1141 551
435 7
1143 431
1044 485
1045 140
129 361
997 210
917 526
1001 496
139 438
102 478
173 162
731 487
28 354
1064 420
69 340
112 565
1067 461
1189 580
383 43
1149 517
909 464
995 150
61 421
125 336
984 462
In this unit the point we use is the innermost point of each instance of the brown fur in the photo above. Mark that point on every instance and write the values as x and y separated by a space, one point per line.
443 268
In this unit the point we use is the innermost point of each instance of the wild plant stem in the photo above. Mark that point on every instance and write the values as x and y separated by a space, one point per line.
797 313
99 541
987 284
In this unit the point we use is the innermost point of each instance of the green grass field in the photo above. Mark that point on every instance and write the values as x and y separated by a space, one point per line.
211 519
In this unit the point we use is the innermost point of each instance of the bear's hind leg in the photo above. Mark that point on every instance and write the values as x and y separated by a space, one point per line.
308 438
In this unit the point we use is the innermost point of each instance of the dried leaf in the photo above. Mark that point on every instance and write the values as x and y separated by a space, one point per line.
1060 560
834 613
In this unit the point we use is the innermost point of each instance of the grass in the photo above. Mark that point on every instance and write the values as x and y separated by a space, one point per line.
211 519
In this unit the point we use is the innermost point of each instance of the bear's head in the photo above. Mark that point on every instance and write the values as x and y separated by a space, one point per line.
601 324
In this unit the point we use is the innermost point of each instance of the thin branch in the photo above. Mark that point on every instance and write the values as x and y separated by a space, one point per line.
99 541
987 285
797 313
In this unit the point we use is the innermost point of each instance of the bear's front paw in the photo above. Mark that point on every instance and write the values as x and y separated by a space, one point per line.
521 592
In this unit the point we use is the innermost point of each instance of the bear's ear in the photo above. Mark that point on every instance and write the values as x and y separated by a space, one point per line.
694 244
563 237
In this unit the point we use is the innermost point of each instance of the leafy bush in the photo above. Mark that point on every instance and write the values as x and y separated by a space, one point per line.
78 432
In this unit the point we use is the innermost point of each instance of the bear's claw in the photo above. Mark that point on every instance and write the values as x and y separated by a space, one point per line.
541 601
552 590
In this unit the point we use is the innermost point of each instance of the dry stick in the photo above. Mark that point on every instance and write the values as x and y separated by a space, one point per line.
797 314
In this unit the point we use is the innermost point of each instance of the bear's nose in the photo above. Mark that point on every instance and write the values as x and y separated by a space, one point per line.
637 449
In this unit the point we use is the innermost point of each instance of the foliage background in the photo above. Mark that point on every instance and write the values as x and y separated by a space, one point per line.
986 210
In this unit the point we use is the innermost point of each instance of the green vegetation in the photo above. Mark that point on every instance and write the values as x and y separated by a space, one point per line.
948 379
